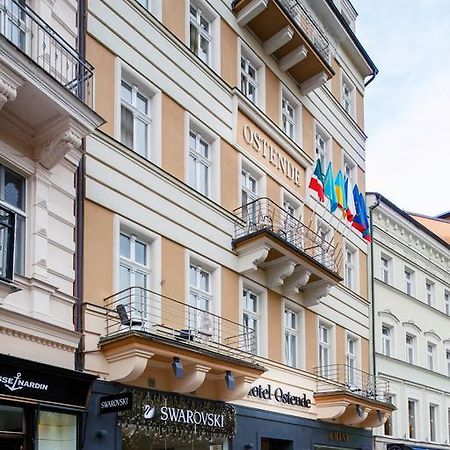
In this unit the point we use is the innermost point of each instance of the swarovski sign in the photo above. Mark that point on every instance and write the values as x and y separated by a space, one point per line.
16 383
180 415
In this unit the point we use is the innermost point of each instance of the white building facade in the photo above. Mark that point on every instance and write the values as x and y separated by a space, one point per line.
412 329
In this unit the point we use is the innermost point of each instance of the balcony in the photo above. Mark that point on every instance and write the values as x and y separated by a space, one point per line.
143 325
349 396
289 33
293 256
45 85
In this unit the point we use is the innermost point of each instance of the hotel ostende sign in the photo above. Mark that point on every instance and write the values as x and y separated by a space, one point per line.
274 156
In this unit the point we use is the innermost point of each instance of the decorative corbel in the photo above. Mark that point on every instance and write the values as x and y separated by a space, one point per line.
375 419
128 365
242 387
8 88
354 415
296 281
312 296
250 259
277 271
193 378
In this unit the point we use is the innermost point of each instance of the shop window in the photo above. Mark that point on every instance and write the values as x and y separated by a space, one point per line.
389 424
56 430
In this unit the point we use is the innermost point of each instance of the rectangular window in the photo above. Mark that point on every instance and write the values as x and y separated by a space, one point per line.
200 299
385 269
409 282
349 276
12 197
447 354
290 337
199 163
249 81
448 424
249 194
290 224
321 150
412 434
386 338
250 320
431 356
349 170
388 425
447 302
351 360
324 350
135 119
433 424
429 289
410 347
288 117
56 430
200 34
323 249
347 96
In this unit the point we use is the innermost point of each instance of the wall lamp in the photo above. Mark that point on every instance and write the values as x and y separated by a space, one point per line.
229 380
177 367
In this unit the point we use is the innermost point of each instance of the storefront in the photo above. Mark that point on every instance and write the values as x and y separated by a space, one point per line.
41 407
265 430
129 418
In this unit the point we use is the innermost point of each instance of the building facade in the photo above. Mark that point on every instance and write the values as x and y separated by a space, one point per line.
412 326
45 112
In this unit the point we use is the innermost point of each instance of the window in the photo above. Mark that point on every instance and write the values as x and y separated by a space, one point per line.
288 117
409 282
134 271
351 359
324 350
200 298
290 224
249 193
448 424
57 430
386 340
412 434
349 170
12 196
447 302
199 163
429 289
249 79
200 34
347 96
447 355
388 425
433 419
321 149
410 348
431 356
324 234
385 269
15 24
349 275
250 320
290 337
135 119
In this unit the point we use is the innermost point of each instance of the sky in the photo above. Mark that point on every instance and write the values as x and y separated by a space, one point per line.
408 103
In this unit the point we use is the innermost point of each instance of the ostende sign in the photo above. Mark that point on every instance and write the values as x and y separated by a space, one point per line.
279 395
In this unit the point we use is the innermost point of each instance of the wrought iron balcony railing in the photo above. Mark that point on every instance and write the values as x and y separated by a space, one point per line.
7 236
265 215
345 378
142 310
303 19
23 28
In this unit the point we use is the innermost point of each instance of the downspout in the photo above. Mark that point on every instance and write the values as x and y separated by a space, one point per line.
374 74
79 204
372 282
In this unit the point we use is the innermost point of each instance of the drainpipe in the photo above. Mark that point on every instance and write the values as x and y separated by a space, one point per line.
372 283
79 205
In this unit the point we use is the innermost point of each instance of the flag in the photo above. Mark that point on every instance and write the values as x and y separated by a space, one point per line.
367 235
316 183
329 189
351 207
358 219
340 190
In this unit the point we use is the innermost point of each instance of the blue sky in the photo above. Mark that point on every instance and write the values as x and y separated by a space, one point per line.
408 104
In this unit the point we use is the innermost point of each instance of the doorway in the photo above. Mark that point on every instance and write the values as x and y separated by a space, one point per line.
276 444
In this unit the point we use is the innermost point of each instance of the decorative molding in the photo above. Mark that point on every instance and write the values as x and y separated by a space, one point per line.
297 280
279 39
8 88
389 315
293 58
253 9
250 259
312 295
313 83
127 365
433 334
36 339
193 378
240 391
278 271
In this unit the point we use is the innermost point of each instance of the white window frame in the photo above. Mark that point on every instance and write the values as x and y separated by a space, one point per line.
196 19
351 272
350 170
447 358
254 316
200 161
386 269
431 355
387 340
433 412
251 170
410 348
123 72
325 233
409 283
322 147
390 398
430 293
251 59
352 359
287 99
293 208
348 100
153 6
324 347
415 427
291 333
195 318
447 302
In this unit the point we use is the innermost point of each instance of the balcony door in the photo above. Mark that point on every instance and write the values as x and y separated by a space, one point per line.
249 195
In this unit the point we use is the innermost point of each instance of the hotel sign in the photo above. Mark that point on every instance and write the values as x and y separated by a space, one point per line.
280 396
274 156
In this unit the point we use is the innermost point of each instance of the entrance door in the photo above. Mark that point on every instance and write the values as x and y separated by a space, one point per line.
276 444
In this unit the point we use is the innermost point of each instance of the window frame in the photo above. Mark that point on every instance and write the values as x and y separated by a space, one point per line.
411 283
353 358
255 316
410 349
200 160
433 415
385 269
196 22
387 340
345 82
324 348
430 294
352 282
412 427
295 121
431 356
293 333
322 152
251 59
447 302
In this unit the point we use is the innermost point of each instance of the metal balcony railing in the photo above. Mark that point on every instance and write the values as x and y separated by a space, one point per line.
7 236
146 311
23 28
303 19
265 215
345 378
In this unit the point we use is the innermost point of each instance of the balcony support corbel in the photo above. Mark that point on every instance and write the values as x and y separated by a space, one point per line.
354 415
376 418
193 378
128 365
8 88
278 40
277 271
250 259
313 294
331 411
253 9
243 385
297 280
313 83
293 58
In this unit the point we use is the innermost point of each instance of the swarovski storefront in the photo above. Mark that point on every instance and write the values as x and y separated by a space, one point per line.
41 407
